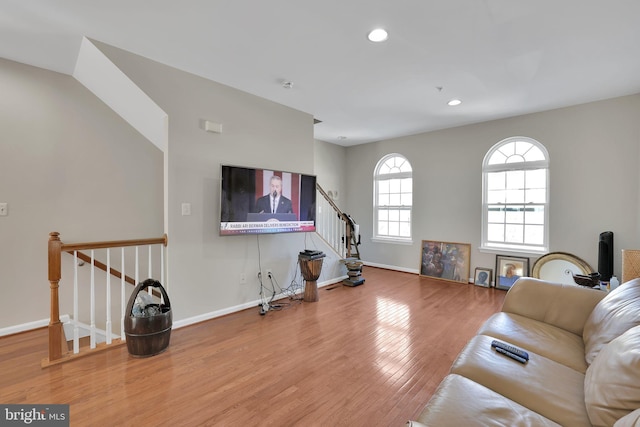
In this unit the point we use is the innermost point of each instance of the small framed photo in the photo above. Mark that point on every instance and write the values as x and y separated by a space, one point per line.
509 269
483 277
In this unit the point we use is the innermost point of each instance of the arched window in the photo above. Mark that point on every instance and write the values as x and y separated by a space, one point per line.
393 198
515 196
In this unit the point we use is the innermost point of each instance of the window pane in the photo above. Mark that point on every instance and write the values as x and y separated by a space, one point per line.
514 233
405 199
534 215
383 200
405 229
383 186
514 180
534 154
534 234
407 185
394 185
496 196
496 180
394 229
383 228
514 196
536 178
522 147
495 214
495 233
394 200
383 214
514 214
394 215
405 215
536 196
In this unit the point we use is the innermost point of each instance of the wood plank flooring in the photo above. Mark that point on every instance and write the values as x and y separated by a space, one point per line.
365 356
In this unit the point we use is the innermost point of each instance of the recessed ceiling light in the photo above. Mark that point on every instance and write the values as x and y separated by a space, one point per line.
287 85
378 35
454 102
342 137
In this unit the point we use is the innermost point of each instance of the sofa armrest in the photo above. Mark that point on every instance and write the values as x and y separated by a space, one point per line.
564 306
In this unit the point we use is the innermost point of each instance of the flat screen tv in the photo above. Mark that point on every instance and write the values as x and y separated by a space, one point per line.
257 201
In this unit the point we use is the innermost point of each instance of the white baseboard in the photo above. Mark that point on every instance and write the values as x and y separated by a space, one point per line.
392 267
176 324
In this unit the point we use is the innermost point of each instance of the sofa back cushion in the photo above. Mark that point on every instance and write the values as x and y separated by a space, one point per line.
612 316
612 382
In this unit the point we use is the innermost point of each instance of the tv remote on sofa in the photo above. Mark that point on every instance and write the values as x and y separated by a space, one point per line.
511 355
511 349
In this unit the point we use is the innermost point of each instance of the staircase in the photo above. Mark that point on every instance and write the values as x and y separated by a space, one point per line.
335 227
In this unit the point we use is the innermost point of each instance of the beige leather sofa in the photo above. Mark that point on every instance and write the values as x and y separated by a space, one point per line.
583 368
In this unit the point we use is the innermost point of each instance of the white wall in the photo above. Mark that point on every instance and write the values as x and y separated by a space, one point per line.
594 152
68 164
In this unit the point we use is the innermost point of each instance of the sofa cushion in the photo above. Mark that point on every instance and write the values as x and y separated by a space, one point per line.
612 382
549 388
458 401
542 338
611 317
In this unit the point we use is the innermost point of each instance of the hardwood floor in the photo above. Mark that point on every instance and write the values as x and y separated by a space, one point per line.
365 356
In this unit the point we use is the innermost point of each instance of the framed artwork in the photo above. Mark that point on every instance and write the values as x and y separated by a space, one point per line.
509 269
445 260
482 277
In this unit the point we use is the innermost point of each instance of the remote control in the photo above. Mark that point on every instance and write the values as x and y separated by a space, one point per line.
511 355
511 349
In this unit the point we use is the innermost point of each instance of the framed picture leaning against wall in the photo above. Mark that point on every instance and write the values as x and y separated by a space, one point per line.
509 269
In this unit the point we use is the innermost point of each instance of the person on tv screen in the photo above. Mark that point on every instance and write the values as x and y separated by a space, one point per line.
274 202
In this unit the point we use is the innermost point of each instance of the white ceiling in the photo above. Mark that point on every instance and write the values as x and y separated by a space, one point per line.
501 57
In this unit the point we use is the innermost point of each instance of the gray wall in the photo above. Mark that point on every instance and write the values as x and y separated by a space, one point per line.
594 153
68 163
205 268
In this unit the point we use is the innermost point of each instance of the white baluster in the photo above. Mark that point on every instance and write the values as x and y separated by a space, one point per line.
123 306
76 331
108 323
93 302
149 289
137 266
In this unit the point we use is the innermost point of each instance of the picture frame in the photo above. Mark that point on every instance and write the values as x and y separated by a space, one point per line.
445 260
483 277
509 269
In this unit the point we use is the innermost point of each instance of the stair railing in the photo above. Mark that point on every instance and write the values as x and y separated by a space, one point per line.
58 346
334 226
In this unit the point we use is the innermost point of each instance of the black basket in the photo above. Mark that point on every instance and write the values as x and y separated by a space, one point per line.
148 336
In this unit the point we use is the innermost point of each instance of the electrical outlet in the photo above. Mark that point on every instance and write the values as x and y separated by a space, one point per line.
243 278
4 209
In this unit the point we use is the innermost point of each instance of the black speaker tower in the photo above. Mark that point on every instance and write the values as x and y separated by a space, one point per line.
605 256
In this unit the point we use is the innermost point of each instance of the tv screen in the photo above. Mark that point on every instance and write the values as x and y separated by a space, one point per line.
256 201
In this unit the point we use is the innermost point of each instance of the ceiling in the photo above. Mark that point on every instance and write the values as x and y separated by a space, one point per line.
502 58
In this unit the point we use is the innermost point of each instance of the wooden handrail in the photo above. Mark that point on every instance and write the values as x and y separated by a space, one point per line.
70 247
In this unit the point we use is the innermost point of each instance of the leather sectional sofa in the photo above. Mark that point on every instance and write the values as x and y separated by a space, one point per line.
583 368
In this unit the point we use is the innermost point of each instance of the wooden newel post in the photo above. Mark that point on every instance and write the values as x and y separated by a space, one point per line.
57 341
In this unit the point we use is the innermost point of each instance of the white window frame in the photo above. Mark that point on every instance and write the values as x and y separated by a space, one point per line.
377 178
520 248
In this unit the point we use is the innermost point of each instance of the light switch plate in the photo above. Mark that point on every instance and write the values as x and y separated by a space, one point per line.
186 209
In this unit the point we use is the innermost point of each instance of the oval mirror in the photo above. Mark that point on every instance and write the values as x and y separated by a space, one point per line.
560 267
